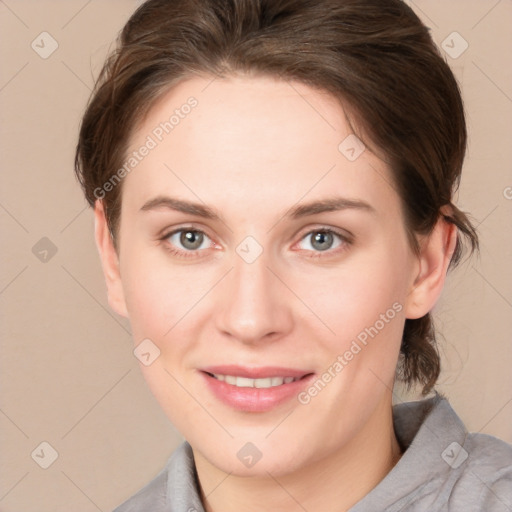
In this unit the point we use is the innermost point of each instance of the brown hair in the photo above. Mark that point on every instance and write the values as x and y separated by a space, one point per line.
375 55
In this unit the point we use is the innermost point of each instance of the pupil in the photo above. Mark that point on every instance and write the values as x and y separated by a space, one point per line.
322 237
191 239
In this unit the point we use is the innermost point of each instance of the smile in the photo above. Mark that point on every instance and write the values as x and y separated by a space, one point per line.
255 389
244 382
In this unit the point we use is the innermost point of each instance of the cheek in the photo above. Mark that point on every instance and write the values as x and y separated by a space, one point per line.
362 303
162 300
157 294
353 296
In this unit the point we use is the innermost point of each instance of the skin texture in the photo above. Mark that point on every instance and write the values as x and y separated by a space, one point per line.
251 149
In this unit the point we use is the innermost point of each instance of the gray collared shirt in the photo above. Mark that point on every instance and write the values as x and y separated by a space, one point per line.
443 468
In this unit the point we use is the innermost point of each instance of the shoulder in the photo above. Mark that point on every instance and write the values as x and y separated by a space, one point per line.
445 466
479 466
489 469
490 452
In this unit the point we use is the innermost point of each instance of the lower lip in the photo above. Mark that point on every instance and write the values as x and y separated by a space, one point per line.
255 399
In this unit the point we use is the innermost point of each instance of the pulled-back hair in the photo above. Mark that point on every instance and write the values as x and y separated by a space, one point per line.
375 56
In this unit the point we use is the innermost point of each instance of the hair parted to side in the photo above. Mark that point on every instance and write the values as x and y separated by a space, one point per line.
375 56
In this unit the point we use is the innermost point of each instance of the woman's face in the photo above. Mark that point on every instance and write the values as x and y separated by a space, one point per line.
232 263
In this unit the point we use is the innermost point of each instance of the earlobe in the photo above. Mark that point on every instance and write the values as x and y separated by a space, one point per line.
436 252
109 261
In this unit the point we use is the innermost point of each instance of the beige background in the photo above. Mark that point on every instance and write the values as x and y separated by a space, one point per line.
67 370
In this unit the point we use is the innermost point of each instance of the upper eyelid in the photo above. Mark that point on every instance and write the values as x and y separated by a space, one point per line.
344 235
337 231
344 238
167 234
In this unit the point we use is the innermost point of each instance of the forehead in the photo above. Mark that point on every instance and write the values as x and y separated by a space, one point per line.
244 138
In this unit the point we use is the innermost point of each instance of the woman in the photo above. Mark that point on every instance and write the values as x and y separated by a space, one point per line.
272 183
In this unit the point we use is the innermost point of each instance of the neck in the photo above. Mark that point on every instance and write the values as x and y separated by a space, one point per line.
335 482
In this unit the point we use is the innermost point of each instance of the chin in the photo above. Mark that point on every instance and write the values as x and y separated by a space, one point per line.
255 459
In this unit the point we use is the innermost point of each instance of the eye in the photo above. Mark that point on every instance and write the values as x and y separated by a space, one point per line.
187 240
324 239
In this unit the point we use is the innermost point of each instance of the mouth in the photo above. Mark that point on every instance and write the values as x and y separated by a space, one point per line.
246 382
255 389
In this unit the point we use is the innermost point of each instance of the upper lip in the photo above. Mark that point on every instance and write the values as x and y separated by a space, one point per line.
261 372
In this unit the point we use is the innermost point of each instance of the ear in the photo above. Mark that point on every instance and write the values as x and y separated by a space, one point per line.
436 251
109 261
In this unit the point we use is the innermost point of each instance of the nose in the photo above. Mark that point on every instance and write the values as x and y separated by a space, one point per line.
255 306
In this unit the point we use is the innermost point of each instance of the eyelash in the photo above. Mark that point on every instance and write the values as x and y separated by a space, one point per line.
345 242
344 239
177 252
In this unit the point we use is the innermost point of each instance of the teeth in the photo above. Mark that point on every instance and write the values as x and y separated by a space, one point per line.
244 382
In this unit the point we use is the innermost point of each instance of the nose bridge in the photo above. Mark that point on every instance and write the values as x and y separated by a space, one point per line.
254 305
251 280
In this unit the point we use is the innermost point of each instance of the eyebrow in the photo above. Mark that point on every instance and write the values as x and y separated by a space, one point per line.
171 203
296 212
330 205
